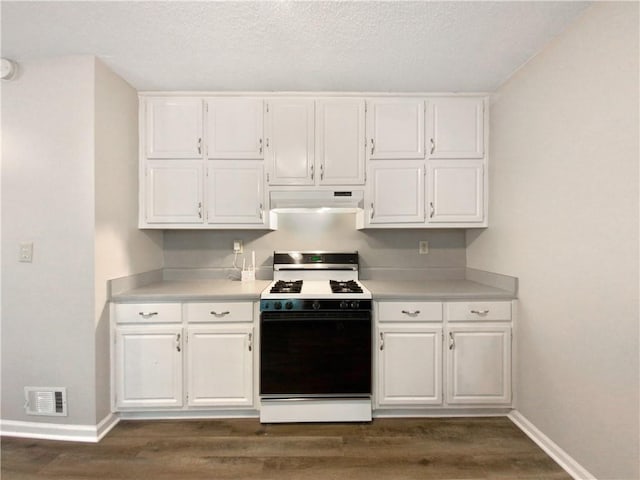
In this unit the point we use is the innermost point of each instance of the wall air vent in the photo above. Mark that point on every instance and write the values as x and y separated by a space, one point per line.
49 401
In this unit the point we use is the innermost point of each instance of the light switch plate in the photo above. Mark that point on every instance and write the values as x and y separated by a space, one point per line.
26 252
423 247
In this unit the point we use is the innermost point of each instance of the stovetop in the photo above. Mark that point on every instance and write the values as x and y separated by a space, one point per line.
315 281
316 289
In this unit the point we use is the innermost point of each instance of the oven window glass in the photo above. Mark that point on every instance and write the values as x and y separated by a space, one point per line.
315 354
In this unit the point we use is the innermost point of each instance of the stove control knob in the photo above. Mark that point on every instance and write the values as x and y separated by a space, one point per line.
315 305
344 304
288 305
277 305
355 304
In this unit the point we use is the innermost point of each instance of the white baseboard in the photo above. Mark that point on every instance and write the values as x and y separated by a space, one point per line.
59 431
561 457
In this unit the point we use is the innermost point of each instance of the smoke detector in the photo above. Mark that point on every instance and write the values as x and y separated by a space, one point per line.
8 69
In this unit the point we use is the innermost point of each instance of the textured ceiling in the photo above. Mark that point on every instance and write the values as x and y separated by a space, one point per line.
292 46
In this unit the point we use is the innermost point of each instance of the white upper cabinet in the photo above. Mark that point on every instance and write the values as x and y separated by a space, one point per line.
290 141
456 127
455 191
395 192
235 192
340 136
234 128
395 128
173 192
173 127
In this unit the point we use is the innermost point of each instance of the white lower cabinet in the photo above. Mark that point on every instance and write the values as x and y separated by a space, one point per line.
220 365
443 355
148 366
156 368
478 364
409 365
409 354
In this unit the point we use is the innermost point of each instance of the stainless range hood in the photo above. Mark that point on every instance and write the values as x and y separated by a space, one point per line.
316 201
311 201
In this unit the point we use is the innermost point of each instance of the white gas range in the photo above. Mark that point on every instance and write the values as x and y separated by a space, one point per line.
315 340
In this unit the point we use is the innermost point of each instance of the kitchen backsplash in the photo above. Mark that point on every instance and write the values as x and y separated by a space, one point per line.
382 252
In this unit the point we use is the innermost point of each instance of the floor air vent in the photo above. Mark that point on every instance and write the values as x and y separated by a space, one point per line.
50 401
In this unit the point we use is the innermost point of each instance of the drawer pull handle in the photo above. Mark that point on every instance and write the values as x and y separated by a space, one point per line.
480 312
221 314
411 314
147 314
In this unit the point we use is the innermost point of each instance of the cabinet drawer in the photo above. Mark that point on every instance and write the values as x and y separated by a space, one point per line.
219 312
410 311
148 313
469 311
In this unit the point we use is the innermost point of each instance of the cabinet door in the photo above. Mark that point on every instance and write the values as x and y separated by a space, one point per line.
220 365
396 192
234 128
148 366
173 191
395 128
173 127
456 191
290 141
456 127
340 137
409 365
235 192
479 364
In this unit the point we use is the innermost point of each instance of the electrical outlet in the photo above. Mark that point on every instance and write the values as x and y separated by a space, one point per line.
423 247
237 246
26 252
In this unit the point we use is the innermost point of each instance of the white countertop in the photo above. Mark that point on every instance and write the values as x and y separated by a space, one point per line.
222 289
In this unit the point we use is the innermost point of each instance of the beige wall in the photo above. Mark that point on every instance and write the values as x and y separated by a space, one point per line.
47 199
69 185
564 219
121 249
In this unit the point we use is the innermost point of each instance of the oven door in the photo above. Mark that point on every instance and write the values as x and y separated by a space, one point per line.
315 354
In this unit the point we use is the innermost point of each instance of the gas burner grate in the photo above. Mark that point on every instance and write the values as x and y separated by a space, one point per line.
282 286
350 286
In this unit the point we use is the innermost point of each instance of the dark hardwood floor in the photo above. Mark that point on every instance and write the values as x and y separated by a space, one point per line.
452 448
